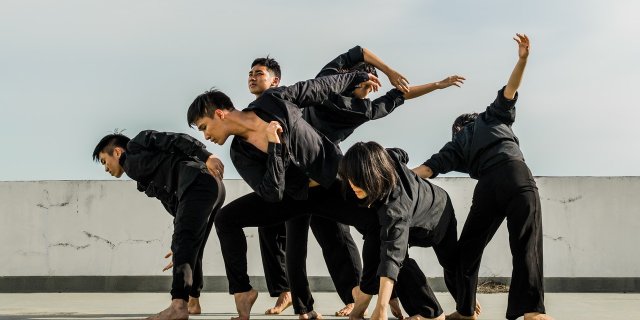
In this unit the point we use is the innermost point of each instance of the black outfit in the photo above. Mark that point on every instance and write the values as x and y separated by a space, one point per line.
282 175
415 213
170 167
489 151
336 118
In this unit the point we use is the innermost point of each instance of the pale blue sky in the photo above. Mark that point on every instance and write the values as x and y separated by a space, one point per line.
72 71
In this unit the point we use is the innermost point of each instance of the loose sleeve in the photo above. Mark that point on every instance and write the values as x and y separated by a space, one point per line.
169 141
266 179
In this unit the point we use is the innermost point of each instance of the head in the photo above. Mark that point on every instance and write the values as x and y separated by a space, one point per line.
264 74
207 113
367 169
462 121
108 153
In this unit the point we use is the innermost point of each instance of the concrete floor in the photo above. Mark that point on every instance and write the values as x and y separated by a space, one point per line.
116 306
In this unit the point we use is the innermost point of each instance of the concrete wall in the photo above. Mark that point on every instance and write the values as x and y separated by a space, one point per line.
107 228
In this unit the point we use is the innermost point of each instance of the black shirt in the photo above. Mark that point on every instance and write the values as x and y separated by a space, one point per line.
164 164
304 152
482 144
409 215
340 114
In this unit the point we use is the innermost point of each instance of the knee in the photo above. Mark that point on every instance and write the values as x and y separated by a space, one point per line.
223 220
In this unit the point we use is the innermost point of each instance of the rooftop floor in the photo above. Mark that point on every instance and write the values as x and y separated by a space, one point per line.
116 306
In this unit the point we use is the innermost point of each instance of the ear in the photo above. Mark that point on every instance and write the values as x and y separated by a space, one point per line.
220 113
117 152
275 82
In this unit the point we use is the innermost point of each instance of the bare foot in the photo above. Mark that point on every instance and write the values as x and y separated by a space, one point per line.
177 310
244 302
309 315
283 302
419 317
194 306
345 311
478 309
396 311
457 316
536 316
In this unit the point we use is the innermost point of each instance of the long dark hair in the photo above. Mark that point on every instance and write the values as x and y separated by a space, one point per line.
368 166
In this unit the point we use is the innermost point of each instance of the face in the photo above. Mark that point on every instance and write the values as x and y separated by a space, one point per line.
360 193
111 162
260 79
213 128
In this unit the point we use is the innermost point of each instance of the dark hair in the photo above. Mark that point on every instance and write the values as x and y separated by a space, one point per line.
461 121
109 143
368 166
270 63
207 103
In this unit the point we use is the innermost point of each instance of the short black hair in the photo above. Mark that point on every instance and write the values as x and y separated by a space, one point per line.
369 167
461 121
270 63
207 103
109 143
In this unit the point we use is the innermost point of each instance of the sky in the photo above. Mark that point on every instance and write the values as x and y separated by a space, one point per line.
74 71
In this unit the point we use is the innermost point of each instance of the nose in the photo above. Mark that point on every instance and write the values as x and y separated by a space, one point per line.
206 136
106 169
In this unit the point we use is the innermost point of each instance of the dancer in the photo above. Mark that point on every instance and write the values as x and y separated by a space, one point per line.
485 146
187 179
412 212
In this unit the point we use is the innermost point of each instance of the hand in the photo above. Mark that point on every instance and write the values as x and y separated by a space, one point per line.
523 45
215 166
397 80
455 80
170 265
363 88
273 130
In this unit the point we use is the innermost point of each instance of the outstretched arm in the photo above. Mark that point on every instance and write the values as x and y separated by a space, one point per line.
518 70
416 91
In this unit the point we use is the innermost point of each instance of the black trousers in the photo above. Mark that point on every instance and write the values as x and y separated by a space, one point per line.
252 210
272 248
507 191
191 227
412 286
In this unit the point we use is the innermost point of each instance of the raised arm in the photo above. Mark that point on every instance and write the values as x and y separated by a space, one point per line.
518 70
397 80
449 158
357 55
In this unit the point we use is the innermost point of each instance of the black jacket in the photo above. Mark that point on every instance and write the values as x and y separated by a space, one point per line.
408 216
164 164
304 152
340 114
482 144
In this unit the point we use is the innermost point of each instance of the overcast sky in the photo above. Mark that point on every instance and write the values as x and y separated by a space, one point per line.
73 71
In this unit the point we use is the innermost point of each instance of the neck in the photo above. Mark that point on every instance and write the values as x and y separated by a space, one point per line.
246 123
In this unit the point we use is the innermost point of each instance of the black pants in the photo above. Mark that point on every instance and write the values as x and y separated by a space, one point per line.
412 287
252 210
272 248
507 191
191 228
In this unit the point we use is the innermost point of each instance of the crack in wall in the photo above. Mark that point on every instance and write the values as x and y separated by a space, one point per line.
114 245
65 244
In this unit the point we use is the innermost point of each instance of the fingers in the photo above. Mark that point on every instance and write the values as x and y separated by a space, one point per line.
374 79
169 266
371 84
168 254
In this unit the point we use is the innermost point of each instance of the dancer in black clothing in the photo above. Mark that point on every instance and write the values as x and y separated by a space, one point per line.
281 157
330 119
177 170
411 212
485 146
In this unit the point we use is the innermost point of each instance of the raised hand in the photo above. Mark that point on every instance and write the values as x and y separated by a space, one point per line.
398 80
523 45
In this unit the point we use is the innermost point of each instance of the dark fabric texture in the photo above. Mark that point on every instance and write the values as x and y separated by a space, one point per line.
483 144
